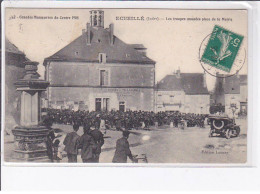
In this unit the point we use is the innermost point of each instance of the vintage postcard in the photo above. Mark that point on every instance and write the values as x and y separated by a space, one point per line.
117 86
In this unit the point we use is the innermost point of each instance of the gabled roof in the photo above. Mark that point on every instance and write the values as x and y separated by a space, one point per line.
190 83
138 46
170 83
11 48
119 52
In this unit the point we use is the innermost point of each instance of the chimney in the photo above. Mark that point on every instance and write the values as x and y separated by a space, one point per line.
88 33
111 30
178 73
204 80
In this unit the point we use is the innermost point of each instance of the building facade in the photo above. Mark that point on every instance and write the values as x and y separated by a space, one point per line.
98 71
184 92
231 92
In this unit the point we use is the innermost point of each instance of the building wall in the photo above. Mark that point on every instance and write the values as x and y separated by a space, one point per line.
179 101
78 85
243 93
134 98
88 74
170 101
198 104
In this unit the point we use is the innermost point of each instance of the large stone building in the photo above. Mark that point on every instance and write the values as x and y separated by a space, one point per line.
98 71
184 92
231 92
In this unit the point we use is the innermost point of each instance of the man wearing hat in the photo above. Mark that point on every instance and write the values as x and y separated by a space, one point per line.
71 143
122 149
99 142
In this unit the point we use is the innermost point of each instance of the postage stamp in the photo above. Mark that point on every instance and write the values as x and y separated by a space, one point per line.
222 48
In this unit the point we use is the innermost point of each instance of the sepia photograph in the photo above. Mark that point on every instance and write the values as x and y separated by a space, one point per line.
118 86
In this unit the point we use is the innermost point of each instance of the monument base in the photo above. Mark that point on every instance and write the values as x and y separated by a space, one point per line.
30 143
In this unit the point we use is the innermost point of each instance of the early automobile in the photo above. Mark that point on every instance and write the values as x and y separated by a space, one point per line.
223 126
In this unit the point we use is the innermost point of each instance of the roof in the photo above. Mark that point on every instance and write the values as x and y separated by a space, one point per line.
138 46
190 83
119 52
170 82
11 48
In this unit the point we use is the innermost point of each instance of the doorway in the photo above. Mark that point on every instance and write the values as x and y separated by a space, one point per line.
122 106
102 104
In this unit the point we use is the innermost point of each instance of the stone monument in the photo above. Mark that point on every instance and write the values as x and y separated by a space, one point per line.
29 137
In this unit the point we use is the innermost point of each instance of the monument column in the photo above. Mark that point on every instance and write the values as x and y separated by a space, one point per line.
29 137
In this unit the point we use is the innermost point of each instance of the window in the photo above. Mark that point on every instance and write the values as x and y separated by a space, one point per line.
102 57
104 77
95 20
100 19
105 106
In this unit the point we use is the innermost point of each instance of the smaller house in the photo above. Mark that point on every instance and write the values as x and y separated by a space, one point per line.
184 92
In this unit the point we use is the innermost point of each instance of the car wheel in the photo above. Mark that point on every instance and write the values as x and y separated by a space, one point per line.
218 124
237 131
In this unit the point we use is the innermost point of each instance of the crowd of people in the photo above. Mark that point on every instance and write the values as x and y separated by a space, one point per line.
92 140
89 143
127 120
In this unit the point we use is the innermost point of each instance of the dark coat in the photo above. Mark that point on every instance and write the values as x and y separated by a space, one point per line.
86 143
98 139
49 144
122 151
71 143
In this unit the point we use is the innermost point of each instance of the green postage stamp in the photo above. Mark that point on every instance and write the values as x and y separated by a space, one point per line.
222 48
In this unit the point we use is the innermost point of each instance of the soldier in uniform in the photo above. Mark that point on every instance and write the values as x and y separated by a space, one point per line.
97 122
122 149
99 142
86 144
71 144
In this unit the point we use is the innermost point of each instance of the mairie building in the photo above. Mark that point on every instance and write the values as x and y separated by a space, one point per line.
98 71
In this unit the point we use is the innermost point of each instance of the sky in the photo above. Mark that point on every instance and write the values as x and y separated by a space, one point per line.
173 44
